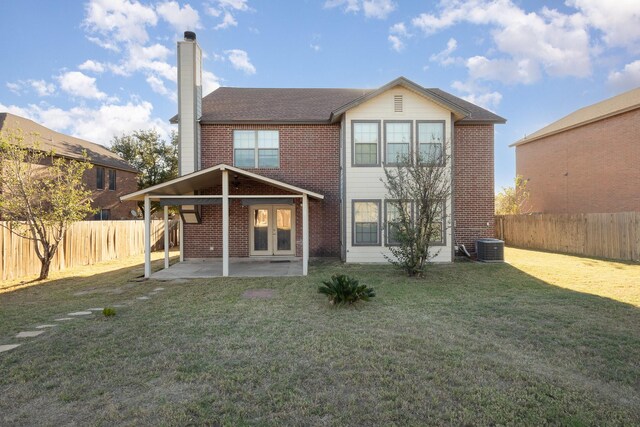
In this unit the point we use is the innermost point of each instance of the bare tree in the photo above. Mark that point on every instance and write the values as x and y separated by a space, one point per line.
41 194
418 190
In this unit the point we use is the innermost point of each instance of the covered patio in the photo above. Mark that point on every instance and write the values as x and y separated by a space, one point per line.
211 187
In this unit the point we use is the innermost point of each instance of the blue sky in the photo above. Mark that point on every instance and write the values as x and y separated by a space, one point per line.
98 68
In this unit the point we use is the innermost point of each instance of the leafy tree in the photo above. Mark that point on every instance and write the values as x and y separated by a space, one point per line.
513 200
41 194
420 190
155 158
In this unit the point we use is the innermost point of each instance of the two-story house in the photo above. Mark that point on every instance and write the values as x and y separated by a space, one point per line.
110 177
299 172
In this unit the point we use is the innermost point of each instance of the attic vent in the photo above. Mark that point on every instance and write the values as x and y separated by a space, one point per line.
397 103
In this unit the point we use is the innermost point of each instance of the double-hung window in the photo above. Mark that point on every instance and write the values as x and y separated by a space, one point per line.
100 178
366 140
366 223
430 141
396 213
256 148
397 142
438 225
112 179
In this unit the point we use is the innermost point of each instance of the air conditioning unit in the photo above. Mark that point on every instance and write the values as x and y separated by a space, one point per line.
490 250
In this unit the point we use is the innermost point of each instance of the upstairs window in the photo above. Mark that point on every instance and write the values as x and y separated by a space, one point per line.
366 139
397 142
256 149
100 178
430 142
112 179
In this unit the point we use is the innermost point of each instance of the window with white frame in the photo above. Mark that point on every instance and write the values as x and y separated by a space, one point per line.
397 142
393 212
366 223
256 148
430 141
366 137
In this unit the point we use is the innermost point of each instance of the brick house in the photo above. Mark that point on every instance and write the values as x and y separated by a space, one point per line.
297 172
586 162
109 178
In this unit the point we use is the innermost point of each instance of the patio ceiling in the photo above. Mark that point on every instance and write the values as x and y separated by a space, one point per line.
206 178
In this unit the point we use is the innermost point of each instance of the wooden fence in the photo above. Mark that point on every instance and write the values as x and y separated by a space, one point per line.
84 243
605 235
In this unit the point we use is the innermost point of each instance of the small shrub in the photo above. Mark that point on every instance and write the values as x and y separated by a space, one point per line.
342 289
109 311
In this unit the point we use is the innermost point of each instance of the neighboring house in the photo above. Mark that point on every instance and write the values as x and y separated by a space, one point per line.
586 162
298 172
108 179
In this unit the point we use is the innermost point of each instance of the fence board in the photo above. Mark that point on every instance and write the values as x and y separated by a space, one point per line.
84 243
604 235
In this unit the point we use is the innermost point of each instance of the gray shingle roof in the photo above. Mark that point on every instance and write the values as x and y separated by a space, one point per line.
65 145
300 105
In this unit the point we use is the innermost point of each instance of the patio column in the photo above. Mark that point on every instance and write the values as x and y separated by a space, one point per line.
181 240
225 223
305 234
166 237
147 237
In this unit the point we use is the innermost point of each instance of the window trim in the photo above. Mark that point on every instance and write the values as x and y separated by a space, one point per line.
410 143
353 222
256 149
98 169
353 145
444 138
386 221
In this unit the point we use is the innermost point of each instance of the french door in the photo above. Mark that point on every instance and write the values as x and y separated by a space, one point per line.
272 230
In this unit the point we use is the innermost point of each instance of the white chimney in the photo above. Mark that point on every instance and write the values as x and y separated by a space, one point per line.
189 103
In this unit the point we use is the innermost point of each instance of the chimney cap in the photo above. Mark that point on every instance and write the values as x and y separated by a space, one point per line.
189 35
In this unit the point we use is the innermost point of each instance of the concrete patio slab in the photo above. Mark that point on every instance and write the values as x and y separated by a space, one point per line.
238 267
29 334
7 347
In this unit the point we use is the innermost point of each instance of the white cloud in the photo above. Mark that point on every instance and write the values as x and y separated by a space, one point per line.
507 71
91 65
549 40
478 95
227 8
42 88
181 18
98 125
122 21
627 78
378 9
240 60
444 56
619 22
78 84
396 42
315 47
210 82
227 21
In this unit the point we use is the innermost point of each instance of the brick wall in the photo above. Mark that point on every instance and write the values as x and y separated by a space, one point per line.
590 169
309 158
474 184
108 199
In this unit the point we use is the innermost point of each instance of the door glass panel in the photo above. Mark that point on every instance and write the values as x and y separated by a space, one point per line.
283 223
261 230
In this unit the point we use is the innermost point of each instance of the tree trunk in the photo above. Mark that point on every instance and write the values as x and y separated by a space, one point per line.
44 268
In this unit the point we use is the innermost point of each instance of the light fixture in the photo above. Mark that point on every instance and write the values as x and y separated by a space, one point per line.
235 182
190 214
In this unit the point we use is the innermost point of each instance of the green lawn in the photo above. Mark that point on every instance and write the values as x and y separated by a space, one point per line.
471 344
